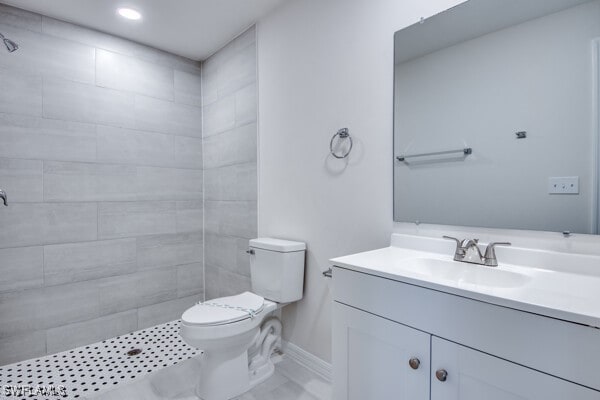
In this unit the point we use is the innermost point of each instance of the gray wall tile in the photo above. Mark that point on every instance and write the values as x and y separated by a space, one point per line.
139 289
165 312
187 120
21 93
23 346
225 283
21 268
155 183
231 283
188 88
231 218
153 115
237 146
68 181
121 72
120 145
20 18
211 281
75 262
210 83
190 280
239 70
227 252
47 139
235 182
135 219
187 152
219 116
246 105
229 158
79 334
48 307
156 286
169 250
167 117
117 294
49 56
238 44
73 101
190 216
245 39
22 179
37 223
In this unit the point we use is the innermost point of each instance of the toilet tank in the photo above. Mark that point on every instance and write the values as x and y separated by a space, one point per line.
277 269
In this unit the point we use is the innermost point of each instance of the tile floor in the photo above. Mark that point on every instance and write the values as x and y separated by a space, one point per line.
291 381
166 368
99 367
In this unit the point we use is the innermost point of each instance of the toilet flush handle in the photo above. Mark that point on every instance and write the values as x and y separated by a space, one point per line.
250 251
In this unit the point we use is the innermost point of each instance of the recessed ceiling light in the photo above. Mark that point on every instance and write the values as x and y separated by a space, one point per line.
129 13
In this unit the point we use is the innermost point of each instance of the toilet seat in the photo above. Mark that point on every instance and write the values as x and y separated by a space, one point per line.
224 310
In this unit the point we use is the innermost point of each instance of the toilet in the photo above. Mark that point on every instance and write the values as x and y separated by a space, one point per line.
237 334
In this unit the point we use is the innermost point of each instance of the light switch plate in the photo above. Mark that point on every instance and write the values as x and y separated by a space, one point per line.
563 185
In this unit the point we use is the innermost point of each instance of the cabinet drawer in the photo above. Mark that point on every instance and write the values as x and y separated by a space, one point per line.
552 346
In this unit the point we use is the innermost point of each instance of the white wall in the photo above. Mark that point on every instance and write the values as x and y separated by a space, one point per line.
324 65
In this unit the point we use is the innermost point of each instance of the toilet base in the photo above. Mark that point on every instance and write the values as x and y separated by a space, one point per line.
261 365
229 372
223 377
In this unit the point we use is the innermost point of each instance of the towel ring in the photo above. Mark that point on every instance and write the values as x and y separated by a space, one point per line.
343 134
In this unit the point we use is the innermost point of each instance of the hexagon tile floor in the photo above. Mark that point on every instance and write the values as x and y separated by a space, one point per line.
90 370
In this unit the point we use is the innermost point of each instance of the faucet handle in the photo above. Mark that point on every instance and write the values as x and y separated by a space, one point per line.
459 253
490 253
3 197
458 241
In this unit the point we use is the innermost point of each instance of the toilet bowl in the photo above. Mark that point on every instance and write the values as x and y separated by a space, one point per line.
237 334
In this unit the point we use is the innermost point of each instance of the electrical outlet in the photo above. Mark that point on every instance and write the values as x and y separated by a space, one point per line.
563 185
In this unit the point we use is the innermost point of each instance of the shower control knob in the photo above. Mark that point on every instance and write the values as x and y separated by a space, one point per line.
441 375
250 251
414 363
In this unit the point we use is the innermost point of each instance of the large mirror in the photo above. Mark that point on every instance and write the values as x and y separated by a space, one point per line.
495 116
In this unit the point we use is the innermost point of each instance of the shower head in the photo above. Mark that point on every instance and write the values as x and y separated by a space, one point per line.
10 45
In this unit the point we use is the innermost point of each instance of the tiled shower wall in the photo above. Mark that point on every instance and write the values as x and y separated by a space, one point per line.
230 154
101 157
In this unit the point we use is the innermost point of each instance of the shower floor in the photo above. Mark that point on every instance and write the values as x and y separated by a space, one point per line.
89 370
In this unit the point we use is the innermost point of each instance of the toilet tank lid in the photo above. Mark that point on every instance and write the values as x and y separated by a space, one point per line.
280 245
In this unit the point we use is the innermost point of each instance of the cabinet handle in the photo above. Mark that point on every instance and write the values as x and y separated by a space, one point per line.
441 375
414 363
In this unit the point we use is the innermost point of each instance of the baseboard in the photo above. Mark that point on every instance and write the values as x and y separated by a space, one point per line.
307 360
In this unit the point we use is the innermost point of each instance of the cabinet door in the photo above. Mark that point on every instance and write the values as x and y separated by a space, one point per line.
473 375
371 358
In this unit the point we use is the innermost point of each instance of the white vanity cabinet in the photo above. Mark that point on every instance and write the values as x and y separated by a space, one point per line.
467 349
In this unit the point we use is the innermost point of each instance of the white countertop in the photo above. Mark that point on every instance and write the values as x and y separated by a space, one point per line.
557 285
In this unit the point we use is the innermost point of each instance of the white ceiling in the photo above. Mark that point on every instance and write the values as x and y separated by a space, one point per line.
190 28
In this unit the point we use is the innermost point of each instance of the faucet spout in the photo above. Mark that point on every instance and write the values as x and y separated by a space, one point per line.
472 252
468 251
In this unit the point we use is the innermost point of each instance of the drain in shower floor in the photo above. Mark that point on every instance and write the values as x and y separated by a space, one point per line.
91 369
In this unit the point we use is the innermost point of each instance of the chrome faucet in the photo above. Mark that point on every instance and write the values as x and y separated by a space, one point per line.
468 251
3 197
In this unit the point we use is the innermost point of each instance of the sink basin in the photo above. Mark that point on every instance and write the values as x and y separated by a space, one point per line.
465 274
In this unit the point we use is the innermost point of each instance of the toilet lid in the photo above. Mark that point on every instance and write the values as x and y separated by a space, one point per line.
224 310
